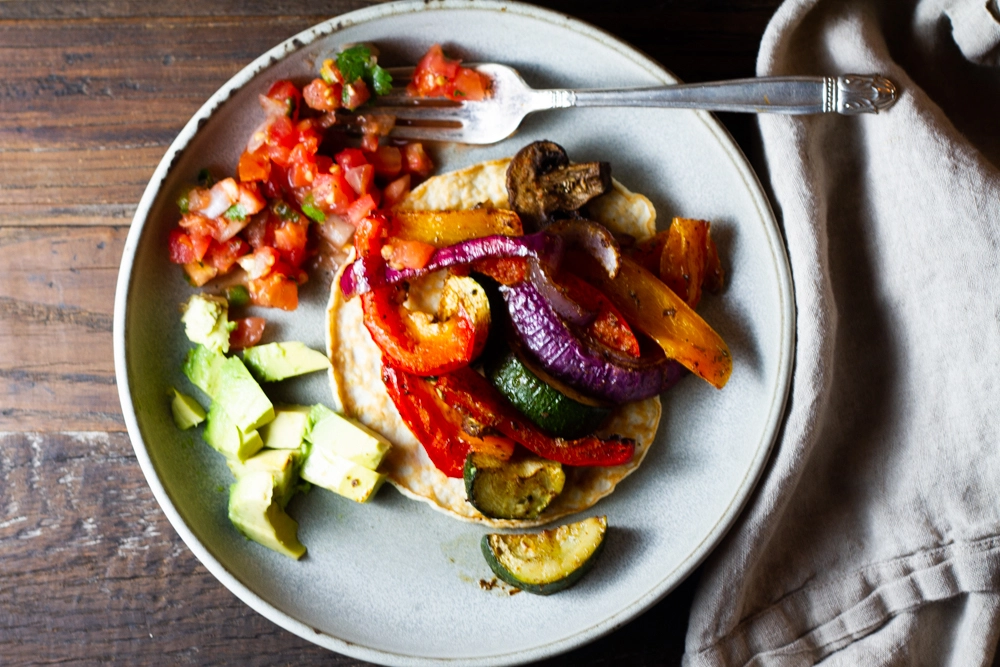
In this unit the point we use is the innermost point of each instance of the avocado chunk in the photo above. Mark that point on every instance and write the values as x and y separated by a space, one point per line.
288 429
277 361
280 463
256 512
241 396
324 468
516 489
206 321
203 368
187 412
547 562
225 436
347 439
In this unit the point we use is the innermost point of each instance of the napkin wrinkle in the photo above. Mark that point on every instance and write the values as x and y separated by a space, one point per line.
975 27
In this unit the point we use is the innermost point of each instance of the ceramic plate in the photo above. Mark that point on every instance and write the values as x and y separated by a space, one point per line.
392 581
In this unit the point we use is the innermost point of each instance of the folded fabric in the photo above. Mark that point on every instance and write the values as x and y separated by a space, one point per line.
873 537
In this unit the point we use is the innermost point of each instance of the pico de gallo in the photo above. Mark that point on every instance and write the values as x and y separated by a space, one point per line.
259 226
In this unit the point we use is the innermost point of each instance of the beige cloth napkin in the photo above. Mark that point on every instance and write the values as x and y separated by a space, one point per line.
874 536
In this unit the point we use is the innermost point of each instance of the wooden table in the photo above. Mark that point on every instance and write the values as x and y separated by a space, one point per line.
91 95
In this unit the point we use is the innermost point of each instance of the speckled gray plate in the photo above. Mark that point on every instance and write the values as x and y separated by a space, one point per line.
392 581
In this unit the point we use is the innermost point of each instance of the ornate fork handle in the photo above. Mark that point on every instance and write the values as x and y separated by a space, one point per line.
850 94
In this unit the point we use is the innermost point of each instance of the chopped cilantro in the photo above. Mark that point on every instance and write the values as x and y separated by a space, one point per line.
356 63
236 213
381 80
310 209
205 178
184 202
284 211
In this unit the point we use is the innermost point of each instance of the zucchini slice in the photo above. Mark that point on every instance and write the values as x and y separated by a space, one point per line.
547 562
550 409
517 489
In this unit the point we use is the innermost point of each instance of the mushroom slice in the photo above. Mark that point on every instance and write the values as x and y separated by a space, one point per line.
543 186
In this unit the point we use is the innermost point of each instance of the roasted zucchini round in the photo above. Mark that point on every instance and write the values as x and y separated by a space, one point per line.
517 489
547 562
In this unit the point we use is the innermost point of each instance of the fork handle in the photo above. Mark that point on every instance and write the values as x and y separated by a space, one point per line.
850 94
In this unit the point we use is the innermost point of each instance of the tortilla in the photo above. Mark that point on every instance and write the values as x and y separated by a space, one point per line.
356 363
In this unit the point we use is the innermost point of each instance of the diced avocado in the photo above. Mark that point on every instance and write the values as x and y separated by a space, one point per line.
206 321
317 413
241 397
349 440
281 463
255 511
277 361
204 368
288 428
187 412
339 475
225 437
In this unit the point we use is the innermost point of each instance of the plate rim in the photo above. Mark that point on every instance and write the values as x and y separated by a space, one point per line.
656 592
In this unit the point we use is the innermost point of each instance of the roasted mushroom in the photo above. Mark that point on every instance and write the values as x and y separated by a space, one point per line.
543 186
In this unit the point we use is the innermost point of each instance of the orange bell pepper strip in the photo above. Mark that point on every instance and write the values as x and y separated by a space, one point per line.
657 311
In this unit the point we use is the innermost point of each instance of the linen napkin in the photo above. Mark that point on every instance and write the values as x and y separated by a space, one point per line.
873 537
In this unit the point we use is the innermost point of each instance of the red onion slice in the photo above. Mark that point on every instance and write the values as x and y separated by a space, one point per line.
582 364
564 306
543 246
592 237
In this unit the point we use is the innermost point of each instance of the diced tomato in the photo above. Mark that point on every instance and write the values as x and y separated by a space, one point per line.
469 86
274 291
361 179
331 192
432 73
302 169
436 75
288 94
417 160
247 333
403 254
355 94
395 191
290 240
322 96
360 209
224 255
349 158
181 248
253 167
309 136
199 273
387 161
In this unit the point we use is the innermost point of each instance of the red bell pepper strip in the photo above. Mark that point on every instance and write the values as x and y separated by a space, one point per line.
435 425
473 395
421 349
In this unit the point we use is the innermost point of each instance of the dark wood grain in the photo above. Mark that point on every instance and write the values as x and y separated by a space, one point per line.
91 95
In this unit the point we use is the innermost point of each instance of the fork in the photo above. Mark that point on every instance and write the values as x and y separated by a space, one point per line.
511 99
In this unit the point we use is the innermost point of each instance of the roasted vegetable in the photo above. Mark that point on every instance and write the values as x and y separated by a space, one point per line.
547 562
580 361
542 185
549 408
516 489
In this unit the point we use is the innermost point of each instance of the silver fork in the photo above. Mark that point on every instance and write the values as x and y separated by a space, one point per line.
511 99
